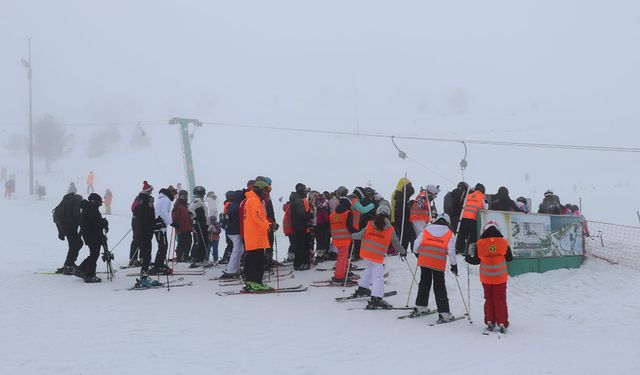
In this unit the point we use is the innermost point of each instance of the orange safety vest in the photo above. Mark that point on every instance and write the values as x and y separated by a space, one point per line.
339 232
375 243
432 252
419 214
255 223
493 265
307 208
356 214
475 203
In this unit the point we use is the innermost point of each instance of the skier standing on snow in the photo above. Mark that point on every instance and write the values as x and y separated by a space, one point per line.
108 198
256 236
322 228
271 216
492 253
134 249
468 233
163 210
198 211
224 220
181 221
363 211
93 229
436 242
341 229
301 216
68 223
401 209
146 224
376 238
233 231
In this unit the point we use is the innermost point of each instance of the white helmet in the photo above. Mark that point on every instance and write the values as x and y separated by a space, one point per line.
444 217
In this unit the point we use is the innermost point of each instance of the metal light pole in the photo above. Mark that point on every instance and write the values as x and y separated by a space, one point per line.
27 65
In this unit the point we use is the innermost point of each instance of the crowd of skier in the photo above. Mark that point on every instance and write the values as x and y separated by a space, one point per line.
337 225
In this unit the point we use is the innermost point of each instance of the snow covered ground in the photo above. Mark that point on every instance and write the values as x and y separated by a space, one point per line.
583 321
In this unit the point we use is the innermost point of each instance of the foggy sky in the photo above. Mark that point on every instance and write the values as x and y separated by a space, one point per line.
356 64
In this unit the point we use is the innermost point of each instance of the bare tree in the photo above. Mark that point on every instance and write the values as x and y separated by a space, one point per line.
51 140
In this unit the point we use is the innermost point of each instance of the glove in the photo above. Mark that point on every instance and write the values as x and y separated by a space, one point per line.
60 236
454 269
468 258
160 223
175 225
274 227
105 223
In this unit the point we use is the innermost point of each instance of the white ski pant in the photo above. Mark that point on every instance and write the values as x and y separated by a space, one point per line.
236 254
373 278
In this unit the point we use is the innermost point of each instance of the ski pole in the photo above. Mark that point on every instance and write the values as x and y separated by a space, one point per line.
125 235
346 277
275 248
463 302
413 281
166 244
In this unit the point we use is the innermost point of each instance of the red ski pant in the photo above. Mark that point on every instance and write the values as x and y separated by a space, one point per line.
342 263
495 304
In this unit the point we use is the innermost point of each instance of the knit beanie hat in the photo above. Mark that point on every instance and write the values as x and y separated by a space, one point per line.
383 209
146 187
359 192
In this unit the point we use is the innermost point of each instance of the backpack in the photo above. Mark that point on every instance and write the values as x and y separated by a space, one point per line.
287 226
58 214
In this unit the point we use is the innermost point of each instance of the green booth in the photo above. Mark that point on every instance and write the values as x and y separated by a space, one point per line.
539 242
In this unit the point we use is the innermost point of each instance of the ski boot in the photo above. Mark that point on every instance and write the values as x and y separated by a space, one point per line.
378 303
146 282
419 311
445 317
70 270
251 286
60 270
92 279
490 326
135 263
361 292
230 275
503 329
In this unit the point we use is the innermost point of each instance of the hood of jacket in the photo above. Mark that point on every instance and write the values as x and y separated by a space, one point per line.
491 232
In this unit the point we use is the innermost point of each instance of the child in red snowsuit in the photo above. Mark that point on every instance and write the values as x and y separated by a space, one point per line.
492 254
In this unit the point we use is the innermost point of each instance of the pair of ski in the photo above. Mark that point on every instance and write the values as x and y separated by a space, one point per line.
179 282
233 282
174 273
294 289
60 273
354 268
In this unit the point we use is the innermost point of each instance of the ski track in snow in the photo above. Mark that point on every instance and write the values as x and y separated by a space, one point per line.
583 321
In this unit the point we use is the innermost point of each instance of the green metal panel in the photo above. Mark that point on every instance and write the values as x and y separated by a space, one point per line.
555 263
518 266
185 140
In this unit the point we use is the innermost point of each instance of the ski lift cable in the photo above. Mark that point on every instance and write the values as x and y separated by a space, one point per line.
432 139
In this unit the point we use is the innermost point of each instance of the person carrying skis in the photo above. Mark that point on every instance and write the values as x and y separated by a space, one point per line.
467 233
163 211
68 218
93 229
341 229
256 236
134 248
198 211
492 253
181 221
436 243
376 238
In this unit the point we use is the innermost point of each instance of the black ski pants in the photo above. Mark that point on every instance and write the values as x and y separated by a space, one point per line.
163 245
183 246
323 236
254 265
468 234
301 242
427 276
200 245
75 244
145 253
88 266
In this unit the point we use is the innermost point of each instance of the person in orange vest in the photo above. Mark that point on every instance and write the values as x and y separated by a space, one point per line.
90 180
341 229
436 243
419 214
256 226
376 238
492 254
362 209
108 198
467 234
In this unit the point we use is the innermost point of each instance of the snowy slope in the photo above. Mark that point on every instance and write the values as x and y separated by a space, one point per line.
581 321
